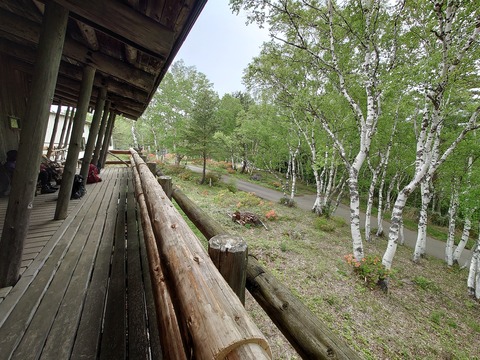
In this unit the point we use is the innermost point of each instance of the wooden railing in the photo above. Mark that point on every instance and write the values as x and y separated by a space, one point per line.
196 309
311 338
306 333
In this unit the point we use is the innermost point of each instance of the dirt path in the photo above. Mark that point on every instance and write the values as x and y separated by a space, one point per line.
435 247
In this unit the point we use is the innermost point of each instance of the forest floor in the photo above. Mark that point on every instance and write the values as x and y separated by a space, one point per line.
426 313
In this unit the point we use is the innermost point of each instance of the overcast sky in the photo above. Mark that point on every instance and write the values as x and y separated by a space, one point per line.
221 46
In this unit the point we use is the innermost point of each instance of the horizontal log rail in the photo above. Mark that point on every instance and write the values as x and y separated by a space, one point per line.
306 333
210 317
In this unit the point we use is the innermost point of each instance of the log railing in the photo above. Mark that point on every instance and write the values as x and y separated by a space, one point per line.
306 333
199 313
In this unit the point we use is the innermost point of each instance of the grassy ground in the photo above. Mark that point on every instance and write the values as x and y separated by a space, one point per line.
426 313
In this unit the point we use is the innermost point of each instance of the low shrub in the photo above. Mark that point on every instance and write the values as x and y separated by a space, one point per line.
325 225
287 202
370 269
271 215
212 178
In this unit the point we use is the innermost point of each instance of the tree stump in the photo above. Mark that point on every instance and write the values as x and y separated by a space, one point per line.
229 254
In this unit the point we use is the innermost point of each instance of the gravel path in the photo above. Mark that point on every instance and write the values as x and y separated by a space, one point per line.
435 247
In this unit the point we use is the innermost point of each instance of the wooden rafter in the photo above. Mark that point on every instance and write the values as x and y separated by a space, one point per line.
117 20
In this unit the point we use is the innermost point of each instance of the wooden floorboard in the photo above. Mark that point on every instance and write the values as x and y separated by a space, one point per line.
17 323
85 292
87 342
62 334
113 343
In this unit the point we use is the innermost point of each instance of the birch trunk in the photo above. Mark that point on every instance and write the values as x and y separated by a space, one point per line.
395 225
355 215
452 216
380 205
421 244
463 241
468 215
368 211
134 137
294 173
473 281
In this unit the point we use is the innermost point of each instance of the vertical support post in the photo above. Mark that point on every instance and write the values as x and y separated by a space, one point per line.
54 130
166 183
69 128
92 135
153 167
32 137
106 139
65 191
64 129
101 133
229 254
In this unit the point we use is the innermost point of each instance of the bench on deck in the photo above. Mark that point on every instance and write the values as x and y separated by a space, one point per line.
90 297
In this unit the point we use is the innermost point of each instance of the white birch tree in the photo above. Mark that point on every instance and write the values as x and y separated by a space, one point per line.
473 281
352 67
447 50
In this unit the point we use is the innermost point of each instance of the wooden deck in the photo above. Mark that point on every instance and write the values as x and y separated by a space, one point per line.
85 290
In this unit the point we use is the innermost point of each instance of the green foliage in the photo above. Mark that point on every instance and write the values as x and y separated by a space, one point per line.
425 283
287 202
212 178
325 224
369 269
436 316
232 185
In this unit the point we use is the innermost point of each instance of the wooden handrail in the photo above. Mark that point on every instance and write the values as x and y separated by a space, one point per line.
170 335
306 333
218 325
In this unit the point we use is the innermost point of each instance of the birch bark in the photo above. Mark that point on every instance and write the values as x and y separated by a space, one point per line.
452 217
473 281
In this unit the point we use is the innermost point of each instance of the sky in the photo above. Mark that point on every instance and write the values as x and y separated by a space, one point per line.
221 46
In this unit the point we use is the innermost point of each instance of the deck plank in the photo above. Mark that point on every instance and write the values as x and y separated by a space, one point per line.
113 343
31 344
62 334
87 292
87 341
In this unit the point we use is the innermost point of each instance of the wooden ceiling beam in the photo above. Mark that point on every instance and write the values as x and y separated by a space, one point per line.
120 21
89 35
30 32
69 74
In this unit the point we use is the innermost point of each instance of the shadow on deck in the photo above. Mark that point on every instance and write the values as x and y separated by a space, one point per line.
85 289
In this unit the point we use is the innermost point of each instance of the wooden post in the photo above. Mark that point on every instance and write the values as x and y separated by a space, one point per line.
69 128
92 135
69 170
68 116
229 254
106 139
32 138
54 130
101 133
153 167
166 183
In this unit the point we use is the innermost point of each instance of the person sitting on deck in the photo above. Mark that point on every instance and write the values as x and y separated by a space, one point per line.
6 172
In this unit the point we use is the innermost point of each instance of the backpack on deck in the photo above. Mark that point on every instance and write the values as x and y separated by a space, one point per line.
78 188
93 174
